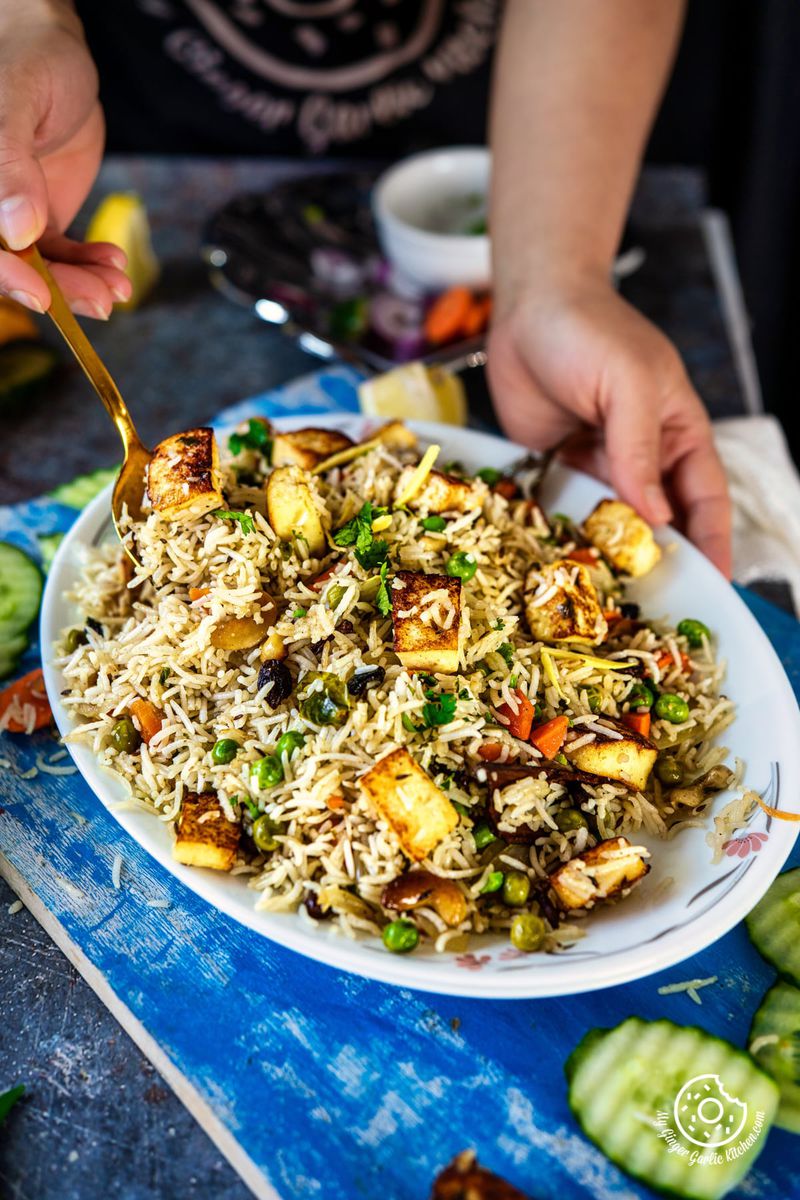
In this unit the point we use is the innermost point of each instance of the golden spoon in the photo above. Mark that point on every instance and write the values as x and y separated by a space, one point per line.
130 485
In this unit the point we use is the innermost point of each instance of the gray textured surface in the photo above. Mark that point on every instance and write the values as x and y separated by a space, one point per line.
98 1120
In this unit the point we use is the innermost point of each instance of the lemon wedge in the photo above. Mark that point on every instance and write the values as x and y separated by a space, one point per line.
415 392
121 218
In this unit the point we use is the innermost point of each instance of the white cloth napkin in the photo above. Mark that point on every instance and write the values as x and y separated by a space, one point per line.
765 489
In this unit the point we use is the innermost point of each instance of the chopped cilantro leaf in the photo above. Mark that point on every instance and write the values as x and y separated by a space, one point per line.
245 520
256 438
9 1099
383 601
499 624
506 651
357 532
164 675
439 712
409 724
464 694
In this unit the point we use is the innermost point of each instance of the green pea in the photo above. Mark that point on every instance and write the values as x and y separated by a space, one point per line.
694 632
594 698
570 818
75 638
489 475
516 888
669 771
298 613
641 696
289 742
483 836
267 772
400 937
494 881
672 708
225 750
461 565
264 830
125 737
527 932
335 595
434 524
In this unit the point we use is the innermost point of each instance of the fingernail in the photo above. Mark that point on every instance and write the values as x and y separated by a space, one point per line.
28 299
89 308
118 259
121 293
18 222
660 510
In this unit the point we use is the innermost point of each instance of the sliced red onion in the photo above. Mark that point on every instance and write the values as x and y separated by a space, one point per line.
398 322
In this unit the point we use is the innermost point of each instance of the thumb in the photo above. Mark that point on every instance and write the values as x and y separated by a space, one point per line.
23 191
633 449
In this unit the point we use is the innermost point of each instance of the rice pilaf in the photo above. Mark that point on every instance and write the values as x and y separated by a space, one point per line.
304 667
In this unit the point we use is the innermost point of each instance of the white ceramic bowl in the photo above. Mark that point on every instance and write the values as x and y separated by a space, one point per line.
412 202
648 931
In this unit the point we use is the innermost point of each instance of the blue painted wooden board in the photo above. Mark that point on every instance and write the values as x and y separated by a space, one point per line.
314 1083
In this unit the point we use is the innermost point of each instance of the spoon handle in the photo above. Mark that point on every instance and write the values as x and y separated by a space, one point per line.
62 317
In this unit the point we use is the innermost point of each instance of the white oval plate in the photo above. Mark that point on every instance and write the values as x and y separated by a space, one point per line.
646 932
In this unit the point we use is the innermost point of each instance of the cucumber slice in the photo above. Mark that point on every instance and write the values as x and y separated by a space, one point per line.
20 591
10 653
774 925
78 492
776 1026
48 544
683 1111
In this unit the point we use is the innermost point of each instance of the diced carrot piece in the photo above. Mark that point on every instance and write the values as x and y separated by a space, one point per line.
24 692
666 661
518 723
638 722
612 615
549 737
335 801
198 593
445 318
490 751
477 317
150 718
317 584
506 488
583 554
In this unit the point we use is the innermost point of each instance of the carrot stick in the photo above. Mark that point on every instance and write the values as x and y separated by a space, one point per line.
149 717
445 318
666 660
638 722
518 723
776 812
583 554
549 737
25 692
477 317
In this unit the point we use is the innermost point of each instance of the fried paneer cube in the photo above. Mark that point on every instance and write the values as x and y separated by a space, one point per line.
204 835
184 476
607 870
561 604
426 616
292 510
623 536
628 759
418 812
307 447
395 435
442 493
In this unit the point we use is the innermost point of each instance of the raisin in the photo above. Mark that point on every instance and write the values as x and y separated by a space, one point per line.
365 679
95 626
630 610
315 909
279 675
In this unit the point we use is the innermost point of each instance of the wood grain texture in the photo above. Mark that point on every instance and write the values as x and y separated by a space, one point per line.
318 1084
